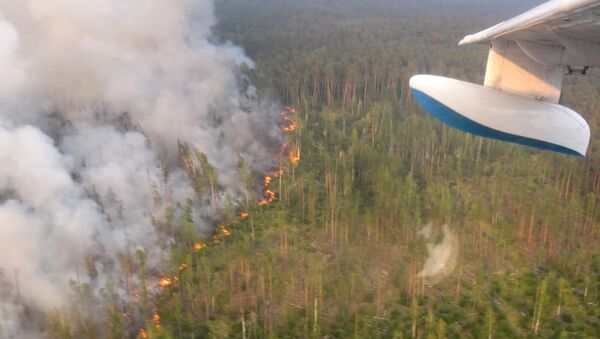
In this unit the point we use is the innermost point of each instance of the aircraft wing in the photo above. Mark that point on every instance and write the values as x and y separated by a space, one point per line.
519 100
570 24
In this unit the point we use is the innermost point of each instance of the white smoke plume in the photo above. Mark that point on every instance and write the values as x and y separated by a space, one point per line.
95 98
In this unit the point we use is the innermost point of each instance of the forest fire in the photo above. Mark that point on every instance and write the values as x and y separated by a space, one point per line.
268 196
289 125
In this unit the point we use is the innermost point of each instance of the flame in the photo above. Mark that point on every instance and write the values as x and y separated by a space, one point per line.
199 247
156 319
224 230
269 196
289 125
143 334
166 281
294 156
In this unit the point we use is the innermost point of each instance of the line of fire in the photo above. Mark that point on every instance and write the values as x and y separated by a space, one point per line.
289 153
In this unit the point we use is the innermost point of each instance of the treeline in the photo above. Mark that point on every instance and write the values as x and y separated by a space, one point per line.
309 53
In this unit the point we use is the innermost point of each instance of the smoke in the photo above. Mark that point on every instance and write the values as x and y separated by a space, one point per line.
443 252
96 98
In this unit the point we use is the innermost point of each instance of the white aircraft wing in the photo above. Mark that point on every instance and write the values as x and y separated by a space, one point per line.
519 101
571 24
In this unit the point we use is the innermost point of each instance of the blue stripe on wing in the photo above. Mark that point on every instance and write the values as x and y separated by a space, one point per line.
456 120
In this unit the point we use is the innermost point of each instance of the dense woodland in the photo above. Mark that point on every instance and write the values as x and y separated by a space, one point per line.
338 252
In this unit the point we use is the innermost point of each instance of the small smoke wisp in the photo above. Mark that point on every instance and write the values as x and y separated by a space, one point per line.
97 100
443 253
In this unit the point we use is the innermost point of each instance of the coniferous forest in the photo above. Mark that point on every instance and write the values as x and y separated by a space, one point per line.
380 222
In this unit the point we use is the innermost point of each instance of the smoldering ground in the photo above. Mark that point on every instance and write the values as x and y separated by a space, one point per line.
95 98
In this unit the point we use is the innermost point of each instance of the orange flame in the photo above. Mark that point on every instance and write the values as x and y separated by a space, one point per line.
294 156
268 197
289 125
143 334
224 230
156 319
199 247
166 281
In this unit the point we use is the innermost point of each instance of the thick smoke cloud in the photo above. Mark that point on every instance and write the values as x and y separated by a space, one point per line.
95 98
